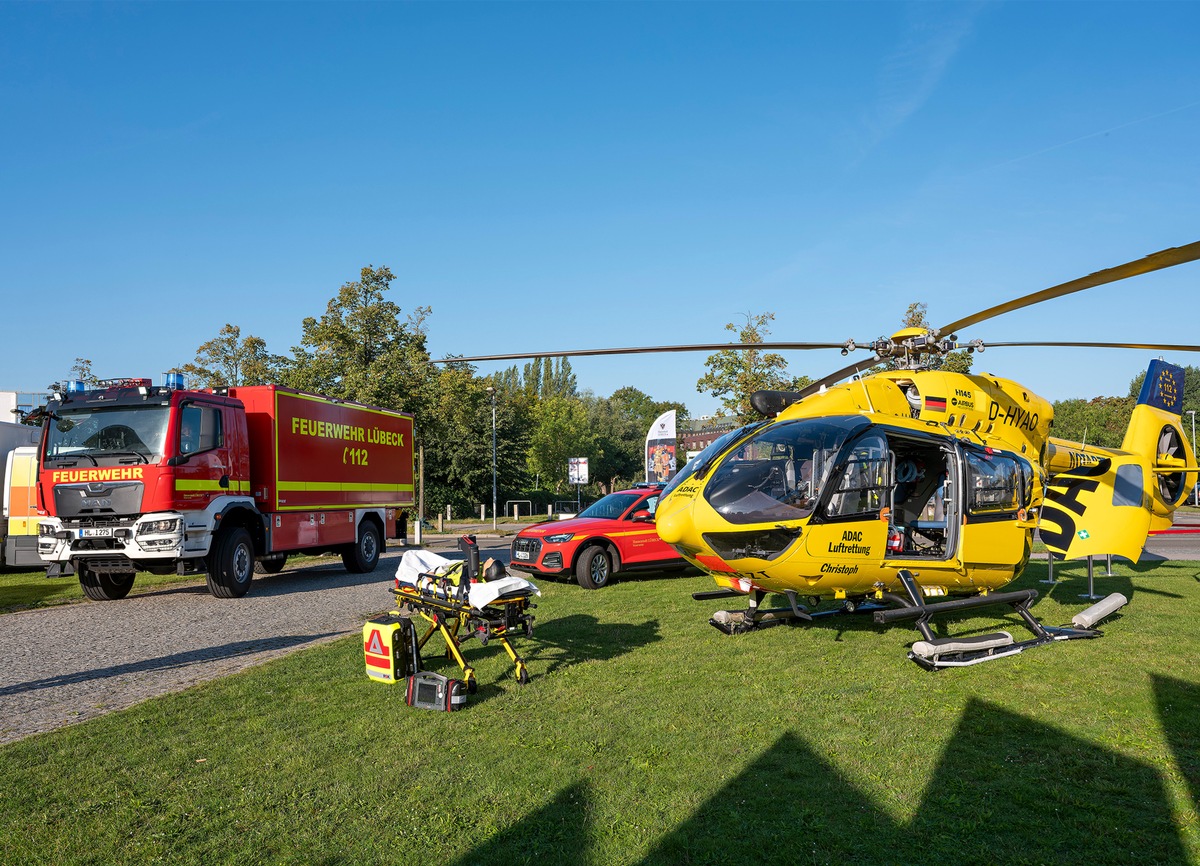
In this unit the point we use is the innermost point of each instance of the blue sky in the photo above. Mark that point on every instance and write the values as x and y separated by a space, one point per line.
552 176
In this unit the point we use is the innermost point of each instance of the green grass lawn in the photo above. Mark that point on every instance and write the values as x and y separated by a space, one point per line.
646 736
20 590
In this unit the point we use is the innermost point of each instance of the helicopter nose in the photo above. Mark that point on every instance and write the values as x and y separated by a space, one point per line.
674 522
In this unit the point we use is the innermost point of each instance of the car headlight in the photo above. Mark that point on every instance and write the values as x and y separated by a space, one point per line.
158 526
560 538
46 529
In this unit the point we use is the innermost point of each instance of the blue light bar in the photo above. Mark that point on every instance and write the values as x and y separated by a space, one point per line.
173 380
75 386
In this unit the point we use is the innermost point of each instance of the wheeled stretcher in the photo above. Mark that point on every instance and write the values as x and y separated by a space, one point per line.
460 601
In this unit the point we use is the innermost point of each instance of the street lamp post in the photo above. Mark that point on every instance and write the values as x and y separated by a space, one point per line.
492 393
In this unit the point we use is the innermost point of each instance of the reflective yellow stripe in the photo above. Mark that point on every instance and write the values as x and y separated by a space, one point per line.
341 487
638 532
208 484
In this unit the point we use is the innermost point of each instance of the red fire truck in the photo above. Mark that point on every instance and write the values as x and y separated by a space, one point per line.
135 477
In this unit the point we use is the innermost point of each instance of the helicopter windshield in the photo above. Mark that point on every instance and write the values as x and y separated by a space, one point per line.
701 463
110 432
779 473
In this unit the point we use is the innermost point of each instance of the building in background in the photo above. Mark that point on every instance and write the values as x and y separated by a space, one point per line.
696 434
14 405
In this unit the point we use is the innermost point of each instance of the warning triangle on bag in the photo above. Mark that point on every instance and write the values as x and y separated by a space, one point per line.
375 644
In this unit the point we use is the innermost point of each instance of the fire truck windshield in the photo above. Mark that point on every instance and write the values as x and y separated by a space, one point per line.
108 432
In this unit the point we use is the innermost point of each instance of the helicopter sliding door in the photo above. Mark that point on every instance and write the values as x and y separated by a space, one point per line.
995 495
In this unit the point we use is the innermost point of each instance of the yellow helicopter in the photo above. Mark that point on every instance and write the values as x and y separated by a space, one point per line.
911 491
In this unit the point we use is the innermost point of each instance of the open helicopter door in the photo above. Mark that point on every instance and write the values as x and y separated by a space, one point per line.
997 533
923 520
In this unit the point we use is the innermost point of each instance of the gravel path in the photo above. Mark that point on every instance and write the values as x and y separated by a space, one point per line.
67 663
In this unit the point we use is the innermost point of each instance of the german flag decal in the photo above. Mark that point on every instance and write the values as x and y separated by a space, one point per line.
935 404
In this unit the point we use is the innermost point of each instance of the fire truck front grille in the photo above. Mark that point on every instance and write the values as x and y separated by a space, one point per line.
98 499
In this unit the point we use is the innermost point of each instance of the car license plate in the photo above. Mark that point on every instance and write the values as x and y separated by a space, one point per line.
522 554
103 532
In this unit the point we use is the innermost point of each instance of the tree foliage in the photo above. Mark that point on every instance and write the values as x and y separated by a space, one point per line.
365 349
734 374
1100 421
230 360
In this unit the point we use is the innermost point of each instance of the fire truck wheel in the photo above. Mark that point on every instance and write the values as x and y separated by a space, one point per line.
104 587
270 566
594 568
231 563
364 555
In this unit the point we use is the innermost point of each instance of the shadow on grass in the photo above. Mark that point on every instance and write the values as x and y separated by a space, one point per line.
559 832
1007 789
1178 710
35 593
582 637
176 660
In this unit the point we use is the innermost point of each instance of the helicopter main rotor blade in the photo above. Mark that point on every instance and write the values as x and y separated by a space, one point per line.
1153 347
698 347
849 370
1155 261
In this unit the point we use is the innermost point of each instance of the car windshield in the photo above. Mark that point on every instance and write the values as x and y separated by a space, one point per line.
113 431
611 507
779 473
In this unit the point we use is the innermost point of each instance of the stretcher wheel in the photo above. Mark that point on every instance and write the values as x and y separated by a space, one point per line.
523 676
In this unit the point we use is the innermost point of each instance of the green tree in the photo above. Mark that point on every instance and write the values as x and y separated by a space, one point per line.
230 360
361 349
1100 421
734 374
81 370
560 431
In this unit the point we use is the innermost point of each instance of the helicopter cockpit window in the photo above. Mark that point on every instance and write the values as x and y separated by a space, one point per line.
864 483
701 463
778 473
995 484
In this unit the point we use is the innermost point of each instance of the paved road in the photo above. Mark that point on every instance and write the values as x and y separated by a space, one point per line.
67 663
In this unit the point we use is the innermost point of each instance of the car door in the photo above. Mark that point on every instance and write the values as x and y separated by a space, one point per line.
641 541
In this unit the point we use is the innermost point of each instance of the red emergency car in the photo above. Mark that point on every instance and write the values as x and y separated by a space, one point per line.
613 535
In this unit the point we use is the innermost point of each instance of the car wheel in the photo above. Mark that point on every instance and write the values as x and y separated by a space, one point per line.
594 568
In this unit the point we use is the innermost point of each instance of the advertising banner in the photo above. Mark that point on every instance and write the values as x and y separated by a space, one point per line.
660 448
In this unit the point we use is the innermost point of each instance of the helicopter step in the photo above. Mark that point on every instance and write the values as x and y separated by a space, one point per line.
933 653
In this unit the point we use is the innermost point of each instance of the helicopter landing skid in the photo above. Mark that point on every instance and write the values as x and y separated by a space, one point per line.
733 622
933 653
